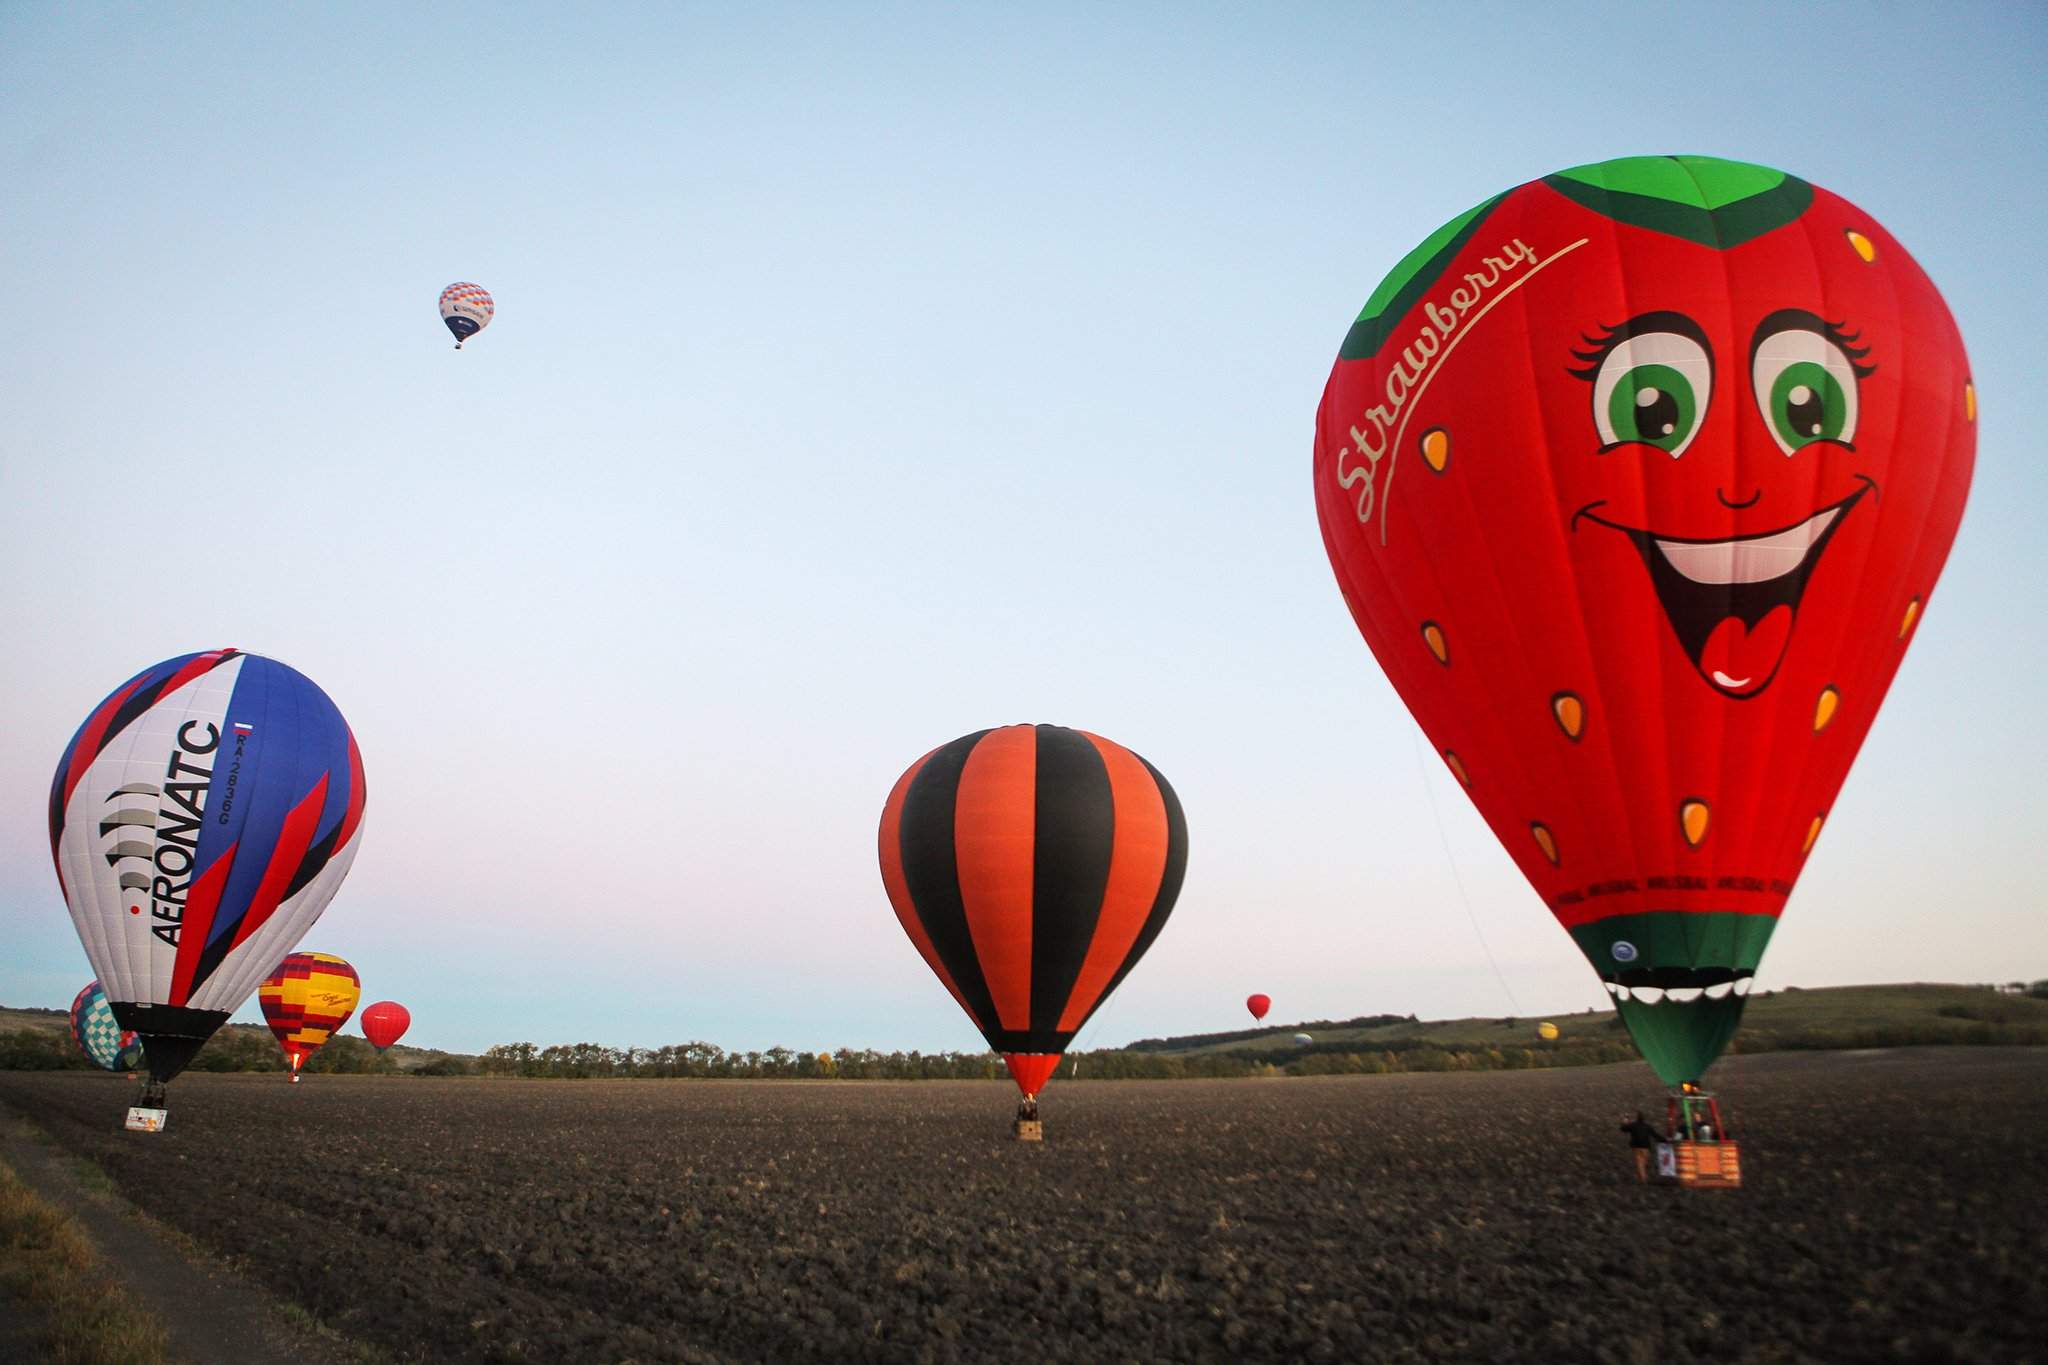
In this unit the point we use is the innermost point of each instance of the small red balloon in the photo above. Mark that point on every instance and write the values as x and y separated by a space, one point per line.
1258 1005
385 1022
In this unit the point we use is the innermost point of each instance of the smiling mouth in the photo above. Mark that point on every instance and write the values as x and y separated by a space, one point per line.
1732 602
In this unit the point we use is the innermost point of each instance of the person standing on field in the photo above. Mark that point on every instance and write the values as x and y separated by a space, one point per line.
1641 1139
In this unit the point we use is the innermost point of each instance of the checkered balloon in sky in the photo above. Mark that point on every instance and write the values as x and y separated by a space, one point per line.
467 310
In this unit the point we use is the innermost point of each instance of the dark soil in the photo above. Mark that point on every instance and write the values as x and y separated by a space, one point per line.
1893 1212
210 1315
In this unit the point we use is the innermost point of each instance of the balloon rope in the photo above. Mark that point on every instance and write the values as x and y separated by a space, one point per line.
1422 767
1087 1030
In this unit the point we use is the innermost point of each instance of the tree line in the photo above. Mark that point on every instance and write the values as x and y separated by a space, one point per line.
1995 1018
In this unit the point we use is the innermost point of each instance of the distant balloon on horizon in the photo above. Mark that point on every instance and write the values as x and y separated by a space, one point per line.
1302 1040
306 1001
1547 1031
101 1039
385 1022
466 309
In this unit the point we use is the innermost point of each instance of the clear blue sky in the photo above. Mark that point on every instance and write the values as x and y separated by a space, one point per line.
865 375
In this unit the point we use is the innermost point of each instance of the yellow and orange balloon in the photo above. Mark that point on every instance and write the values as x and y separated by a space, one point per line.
306 1001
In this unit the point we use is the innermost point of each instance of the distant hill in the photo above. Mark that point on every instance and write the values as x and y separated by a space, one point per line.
1791 1017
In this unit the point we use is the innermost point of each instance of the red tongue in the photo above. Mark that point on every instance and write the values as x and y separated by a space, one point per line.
1740 660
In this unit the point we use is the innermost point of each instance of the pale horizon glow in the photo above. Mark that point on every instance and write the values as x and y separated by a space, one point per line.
862 377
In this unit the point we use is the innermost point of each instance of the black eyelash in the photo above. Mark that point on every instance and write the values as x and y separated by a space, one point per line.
1845 340
1610 336
1613 335
1799 320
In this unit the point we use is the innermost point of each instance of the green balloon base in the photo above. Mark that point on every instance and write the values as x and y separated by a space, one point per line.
1679 979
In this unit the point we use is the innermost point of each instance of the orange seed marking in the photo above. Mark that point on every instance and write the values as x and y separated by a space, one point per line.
1544 841
1692 820
1812 833
1912 615
1864 247
1570 713
1436 448
1433 636
1824 709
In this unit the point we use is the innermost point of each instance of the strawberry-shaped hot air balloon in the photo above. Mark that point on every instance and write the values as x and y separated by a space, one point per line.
97 1034
201 819
1637 479
1032 866
306 1001
1258 1005
385 1022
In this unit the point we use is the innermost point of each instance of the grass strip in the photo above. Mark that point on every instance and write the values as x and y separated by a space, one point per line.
47 1260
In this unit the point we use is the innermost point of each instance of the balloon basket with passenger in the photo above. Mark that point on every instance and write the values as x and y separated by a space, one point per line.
1028 1127
1700 1154
151 1109
1030 1072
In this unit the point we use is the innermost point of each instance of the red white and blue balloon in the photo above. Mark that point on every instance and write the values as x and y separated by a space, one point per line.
201 819
466 309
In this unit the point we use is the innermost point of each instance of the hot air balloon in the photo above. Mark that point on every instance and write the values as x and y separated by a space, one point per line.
1547 1031
1302 1040
467 310
1686 443
98 1036
1032 866
201 819
1258 1005
385 1022
306 1001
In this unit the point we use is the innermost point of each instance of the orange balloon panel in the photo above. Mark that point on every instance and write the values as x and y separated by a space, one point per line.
306 1000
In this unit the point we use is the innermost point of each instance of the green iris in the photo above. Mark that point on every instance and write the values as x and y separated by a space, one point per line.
1808 404
1653 404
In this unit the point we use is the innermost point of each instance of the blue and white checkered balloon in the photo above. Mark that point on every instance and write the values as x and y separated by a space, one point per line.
98 1035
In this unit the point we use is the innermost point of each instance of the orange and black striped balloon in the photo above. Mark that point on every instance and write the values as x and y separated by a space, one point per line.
1032 866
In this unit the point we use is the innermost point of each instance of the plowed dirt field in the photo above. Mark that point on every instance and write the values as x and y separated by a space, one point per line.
1893 1212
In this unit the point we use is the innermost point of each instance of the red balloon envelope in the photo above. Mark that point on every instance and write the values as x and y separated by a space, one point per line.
385 1022
1258 1005
1032 866
1637 479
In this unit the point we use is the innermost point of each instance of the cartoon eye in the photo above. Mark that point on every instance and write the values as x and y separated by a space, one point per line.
1804 372
1650 383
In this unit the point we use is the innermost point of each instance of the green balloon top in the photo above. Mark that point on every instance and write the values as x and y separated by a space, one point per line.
1703 182
1702 199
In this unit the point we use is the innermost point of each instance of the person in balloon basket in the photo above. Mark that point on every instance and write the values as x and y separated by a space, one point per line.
1642 1138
